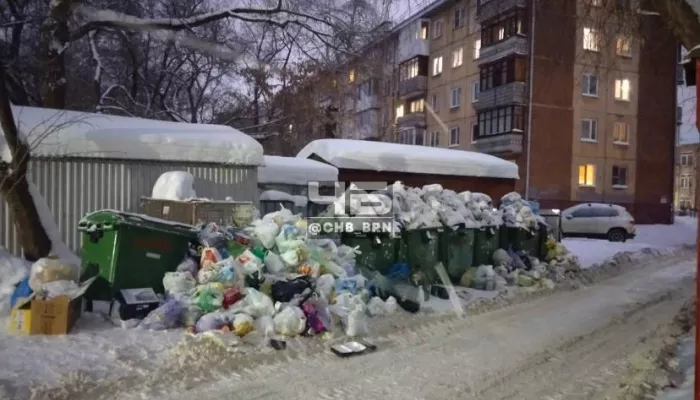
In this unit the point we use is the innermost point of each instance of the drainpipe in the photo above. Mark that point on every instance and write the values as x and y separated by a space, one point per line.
531 78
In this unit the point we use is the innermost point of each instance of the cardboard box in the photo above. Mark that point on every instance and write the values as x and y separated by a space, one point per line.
36 316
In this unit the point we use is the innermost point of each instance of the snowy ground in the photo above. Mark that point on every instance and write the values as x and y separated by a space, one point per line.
593 251
685 355
98 352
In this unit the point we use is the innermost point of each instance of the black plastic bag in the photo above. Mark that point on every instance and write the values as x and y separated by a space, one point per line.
285 291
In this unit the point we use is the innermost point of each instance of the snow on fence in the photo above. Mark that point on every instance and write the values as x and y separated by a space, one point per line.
88 162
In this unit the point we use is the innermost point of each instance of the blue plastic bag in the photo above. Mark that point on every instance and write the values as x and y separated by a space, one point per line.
22 289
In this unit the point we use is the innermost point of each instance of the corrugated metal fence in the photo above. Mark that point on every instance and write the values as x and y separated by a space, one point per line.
74 187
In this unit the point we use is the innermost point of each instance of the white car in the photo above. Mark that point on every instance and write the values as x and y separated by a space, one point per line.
598 220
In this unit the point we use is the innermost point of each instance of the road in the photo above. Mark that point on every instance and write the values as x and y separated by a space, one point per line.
570 345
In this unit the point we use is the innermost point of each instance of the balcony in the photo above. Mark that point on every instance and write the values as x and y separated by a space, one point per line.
505 143
367 103
416 119
510 93
490 8
414 87
513 45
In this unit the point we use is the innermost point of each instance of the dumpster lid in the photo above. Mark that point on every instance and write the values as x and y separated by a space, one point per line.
108 219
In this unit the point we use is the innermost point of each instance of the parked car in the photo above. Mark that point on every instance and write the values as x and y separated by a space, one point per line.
598 220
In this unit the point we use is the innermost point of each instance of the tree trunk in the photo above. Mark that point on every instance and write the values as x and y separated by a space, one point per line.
14 187
53 42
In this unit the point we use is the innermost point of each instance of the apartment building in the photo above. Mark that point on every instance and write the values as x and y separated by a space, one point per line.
585 107
686 176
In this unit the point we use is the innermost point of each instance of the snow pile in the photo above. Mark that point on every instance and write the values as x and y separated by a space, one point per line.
58 247
12 271
295 171
481 208
56 133
517 212
276 195
174 185
384 156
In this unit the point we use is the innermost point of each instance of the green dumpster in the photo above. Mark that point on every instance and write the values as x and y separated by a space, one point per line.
377 252
486 241
520 240
421 248
457 251
543 236
128 251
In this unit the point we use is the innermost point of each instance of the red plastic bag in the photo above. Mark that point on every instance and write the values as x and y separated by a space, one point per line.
231 297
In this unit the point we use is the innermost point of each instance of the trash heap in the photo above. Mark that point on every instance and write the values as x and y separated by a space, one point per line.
268 278
517 212
432 206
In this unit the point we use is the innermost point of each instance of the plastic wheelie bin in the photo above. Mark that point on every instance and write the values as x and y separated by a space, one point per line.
129 251
377 252
486 241
457 251
520 240
421 249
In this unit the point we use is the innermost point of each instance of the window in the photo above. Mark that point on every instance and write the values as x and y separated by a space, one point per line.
591 39
422 30
687 159
460 17
454 136
583 212
619 176
418 138
399 111
500 120
437 66
589 85
475 91
438 27
685 182
435 102
502 72
477 48
363 119
457 57
456 98
475 131
368 87
351 76
411 136
416 106
417 66
503 27
586 175
433 139
589 130
623 47
621 133
622 89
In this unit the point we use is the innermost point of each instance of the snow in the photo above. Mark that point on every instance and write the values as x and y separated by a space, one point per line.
384 156
300 201
174 185
12 270
594 251
56 133
686 360
58 247
295 171
276 195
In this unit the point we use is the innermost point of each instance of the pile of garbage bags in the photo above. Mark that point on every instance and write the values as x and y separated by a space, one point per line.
517 212
267 278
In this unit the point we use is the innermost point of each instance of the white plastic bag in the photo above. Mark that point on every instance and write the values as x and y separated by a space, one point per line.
391 305
266 232
256 304
176 283
291 258
48 269
357 322
376 307
324 285
250 263
290 321
265 326
274 263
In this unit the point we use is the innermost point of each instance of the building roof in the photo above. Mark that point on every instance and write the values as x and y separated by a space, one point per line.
384 156
295 171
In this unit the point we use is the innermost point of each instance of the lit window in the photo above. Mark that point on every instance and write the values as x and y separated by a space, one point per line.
619 176
589 85
621 133
399 111
623 46
586 175
454 136
501 33
591 39
423 31
589 130
477 48
456 98
437 66
622 89
351 76
416 106
457 57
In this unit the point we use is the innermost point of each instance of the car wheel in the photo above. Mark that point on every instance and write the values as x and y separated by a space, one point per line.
617 235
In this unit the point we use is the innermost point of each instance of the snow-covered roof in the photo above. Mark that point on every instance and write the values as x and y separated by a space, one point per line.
384 156
295 171
57 133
